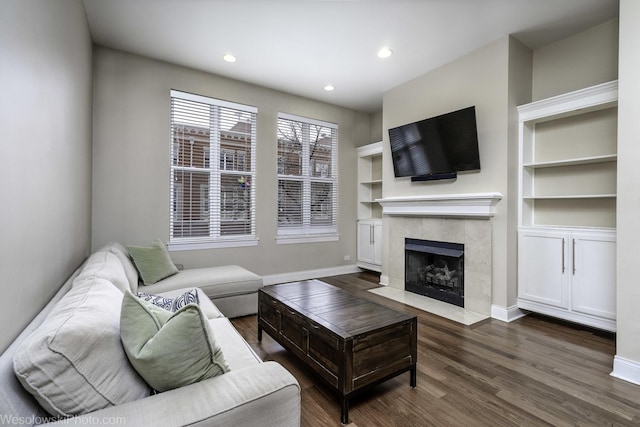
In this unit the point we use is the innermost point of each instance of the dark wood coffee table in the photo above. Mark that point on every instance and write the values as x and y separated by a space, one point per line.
350 342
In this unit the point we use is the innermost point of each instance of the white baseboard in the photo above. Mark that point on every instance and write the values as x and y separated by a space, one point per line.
384 280
296 276
508 314
626 369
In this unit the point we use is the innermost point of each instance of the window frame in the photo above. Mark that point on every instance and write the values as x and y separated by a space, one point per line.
308 233
212 167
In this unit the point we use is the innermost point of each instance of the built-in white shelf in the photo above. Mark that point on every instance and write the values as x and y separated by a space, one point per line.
573 162
573 196
369 180
568 158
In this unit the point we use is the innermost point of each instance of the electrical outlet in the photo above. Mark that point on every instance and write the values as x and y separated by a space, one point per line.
347 257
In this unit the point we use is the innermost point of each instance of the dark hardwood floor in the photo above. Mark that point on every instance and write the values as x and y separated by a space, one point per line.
531 372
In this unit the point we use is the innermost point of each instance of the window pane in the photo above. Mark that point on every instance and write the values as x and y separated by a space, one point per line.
190 146
235 140
321 203
235 204
320 151
190 113
289 203
289 147
190 210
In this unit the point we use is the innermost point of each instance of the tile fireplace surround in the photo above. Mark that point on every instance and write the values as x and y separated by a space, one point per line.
456 218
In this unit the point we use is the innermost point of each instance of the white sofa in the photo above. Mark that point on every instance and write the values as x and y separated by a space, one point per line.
252 393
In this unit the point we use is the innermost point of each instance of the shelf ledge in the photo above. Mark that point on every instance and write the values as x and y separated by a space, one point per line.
374 149
573 196
573 162
473 205
596 97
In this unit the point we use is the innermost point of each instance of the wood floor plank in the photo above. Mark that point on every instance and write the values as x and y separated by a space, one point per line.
535 371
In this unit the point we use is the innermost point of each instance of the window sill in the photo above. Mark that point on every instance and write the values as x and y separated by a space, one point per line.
194 246
307 238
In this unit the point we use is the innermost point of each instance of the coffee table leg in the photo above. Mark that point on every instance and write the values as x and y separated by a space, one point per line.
344 410
259 332
412 381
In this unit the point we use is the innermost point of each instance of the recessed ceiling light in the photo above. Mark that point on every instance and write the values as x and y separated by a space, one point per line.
385 52
229 57
329 88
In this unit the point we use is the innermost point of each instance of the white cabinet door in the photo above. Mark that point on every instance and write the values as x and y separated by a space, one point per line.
377 242
569 274
370 244
365 242
542 273
594 274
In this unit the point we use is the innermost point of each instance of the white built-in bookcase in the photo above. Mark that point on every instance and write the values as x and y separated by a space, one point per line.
369 224
567 206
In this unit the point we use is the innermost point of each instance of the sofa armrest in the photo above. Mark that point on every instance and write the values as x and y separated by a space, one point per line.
265 394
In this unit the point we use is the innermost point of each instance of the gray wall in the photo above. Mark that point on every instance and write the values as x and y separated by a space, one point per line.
131 162
45 178
375 133
520 82
582 60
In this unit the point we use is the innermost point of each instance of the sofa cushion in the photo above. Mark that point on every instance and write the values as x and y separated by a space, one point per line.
171 304
127 264
236 350
74 363
153 262
105 265
169 350
216 282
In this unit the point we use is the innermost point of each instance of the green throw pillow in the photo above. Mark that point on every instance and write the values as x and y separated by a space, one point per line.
153 262
169 350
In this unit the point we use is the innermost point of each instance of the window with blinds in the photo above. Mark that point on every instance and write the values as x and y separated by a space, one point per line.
212 187
307 176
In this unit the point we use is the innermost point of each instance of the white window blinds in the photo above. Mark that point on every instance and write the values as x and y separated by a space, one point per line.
307 176
212 187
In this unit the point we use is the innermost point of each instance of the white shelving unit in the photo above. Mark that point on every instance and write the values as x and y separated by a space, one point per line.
369 211
369 180
567 206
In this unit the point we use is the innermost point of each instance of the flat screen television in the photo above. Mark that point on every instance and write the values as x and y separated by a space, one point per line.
436 148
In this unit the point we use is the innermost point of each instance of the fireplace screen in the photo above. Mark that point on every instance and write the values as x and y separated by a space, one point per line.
435 269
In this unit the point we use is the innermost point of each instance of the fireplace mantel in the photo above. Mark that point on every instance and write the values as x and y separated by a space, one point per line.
472 205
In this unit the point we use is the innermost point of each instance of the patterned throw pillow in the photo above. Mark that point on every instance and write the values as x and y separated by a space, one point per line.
169 350
189 297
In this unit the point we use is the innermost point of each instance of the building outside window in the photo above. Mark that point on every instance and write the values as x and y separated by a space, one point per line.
307 179
212 172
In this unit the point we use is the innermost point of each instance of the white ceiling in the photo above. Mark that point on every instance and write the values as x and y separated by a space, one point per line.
299 46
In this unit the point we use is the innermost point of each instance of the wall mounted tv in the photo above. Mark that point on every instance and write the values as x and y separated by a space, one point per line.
436 148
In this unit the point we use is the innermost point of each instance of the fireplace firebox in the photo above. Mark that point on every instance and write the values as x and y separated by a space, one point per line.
435 269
